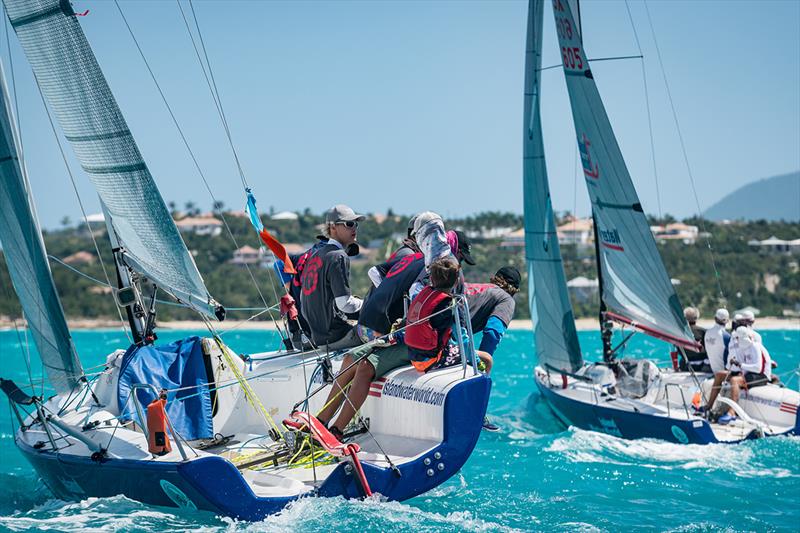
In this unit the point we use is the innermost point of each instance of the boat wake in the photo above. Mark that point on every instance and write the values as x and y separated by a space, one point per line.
743 460
306 514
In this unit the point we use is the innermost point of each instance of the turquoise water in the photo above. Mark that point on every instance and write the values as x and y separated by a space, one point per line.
532 475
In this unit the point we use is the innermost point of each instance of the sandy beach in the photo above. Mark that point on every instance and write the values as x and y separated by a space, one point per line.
582 324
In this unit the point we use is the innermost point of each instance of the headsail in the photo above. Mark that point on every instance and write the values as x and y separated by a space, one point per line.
27 263
553 321
636 288
74 86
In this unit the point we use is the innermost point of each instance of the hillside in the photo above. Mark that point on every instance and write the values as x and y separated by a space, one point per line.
767 281
773 199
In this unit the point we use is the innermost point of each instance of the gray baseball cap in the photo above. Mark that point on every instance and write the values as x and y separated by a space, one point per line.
342 213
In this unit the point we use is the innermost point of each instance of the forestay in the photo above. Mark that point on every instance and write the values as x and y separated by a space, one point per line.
635 286
74 86
557 344
27 263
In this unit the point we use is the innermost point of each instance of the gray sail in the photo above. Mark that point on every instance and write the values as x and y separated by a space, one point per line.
27 263
636 288
74 86
556 340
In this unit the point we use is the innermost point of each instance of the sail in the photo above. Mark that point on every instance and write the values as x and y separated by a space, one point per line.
74 86
635 286
27 263
557 344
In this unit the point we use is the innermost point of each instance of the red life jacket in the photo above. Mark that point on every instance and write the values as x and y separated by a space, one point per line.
425 343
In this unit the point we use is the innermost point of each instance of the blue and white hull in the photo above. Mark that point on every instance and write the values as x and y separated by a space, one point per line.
425 425
665 411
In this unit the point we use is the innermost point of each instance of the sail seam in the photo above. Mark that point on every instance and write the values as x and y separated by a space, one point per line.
116 169
97 137
35 17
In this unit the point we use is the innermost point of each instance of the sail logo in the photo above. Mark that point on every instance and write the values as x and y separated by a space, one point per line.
590 169
610 239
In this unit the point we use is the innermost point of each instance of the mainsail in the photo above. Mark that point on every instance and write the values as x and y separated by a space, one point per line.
635 286
73 84
557 344
27 263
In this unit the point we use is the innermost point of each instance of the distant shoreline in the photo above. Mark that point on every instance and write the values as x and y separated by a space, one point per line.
581 324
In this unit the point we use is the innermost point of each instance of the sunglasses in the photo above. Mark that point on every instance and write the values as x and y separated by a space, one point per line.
348 223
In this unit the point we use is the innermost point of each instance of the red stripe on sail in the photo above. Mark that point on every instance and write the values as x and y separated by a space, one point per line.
679 341
613 247
277 249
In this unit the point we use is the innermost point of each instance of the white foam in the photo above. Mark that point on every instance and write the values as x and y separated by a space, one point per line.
580 446
379 514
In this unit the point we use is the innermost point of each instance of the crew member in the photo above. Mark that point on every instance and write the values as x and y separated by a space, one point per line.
430 322
326 300
491 307
753 363
409 247
698 361
717 339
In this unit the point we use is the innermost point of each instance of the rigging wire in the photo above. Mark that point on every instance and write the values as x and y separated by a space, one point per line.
212 87
649 114
685 157
215 89
195 161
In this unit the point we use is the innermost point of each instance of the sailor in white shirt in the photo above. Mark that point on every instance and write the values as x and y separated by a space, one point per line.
716 341
753 363
749 319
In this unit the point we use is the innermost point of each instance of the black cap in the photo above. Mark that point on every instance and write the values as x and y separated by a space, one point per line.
464 247
511 275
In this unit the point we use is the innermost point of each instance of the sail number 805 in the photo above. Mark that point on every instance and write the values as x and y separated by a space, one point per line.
572 57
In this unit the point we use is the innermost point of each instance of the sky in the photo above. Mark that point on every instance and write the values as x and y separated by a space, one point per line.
418 105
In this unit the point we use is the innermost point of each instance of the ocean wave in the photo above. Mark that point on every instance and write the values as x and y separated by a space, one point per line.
581 446
374 514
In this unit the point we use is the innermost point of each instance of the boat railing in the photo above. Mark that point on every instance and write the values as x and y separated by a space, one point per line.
143 422
683 399
467 356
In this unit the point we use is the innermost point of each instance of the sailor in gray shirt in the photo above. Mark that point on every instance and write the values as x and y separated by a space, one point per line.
326 300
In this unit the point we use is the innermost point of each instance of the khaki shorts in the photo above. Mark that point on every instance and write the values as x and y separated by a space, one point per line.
386 359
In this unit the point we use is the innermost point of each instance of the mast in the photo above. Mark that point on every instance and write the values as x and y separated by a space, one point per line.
606 327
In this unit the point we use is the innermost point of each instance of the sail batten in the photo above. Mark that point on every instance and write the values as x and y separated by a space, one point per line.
556 339
72 83
27 263
635 286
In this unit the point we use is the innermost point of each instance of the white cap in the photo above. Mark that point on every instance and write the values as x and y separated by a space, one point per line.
737 317
722 315
748 315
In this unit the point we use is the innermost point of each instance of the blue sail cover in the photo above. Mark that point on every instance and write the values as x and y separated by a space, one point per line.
556 340
74 86
27 263
172 366
636 288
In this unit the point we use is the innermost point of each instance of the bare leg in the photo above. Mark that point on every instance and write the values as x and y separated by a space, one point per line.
486 358
336 396
365 373
736 383
719 377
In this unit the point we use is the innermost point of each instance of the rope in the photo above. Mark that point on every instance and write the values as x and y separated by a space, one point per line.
649 116
685 157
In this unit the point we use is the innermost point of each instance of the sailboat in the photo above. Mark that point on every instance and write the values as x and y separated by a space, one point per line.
189 424
629 397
